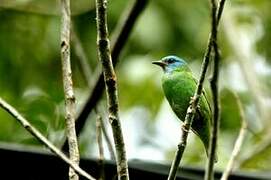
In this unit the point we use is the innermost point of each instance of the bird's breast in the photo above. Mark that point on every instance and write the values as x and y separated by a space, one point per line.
178 89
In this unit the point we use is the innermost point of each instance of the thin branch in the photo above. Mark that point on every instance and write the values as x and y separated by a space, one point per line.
219 11
25 123
239 141
68 87
107 140
209 172
111 88
193 105
100 147
120 37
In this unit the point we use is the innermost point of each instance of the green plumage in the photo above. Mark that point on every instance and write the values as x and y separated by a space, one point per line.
179 86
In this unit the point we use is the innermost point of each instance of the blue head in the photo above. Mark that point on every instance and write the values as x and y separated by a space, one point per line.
170 63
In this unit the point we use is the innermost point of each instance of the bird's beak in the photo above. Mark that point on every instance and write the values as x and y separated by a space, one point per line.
159 63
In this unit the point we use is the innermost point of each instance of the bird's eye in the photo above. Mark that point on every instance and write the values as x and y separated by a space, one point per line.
170 61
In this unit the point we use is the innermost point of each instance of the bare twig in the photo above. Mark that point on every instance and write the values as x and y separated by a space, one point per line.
100 146
68 87
209 172
120 37
239 141
25 123
220 10
193 104
111 88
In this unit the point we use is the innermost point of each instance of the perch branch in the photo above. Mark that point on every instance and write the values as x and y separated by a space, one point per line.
209 172
239 141
193 105
111 87
68 87
25 123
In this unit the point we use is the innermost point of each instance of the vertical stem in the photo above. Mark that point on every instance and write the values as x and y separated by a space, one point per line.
68 86
111 88
209 173
219 11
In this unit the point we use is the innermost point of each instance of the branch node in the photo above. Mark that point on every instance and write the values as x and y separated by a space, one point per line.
113 120
63 44
103 43
185 128
111 81
181 145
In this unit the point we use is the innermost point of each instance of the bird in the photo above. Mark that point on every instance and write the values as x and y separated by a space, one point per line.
179 86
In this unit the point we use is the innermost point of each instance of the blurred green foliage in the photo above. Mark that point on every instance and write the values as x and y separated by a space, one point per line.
260 160
229 121
30 66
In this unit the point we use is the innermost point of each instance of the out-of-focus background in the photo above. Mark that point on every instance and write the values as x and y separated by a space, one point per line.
31 79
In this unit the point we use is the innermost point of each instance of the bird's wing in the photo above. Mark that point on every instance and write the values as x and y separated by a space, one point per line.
208 104
203 119
204 94
204 100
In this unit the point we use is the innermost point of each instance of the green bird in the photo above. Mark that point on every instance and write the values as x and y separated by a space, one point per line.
179 86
